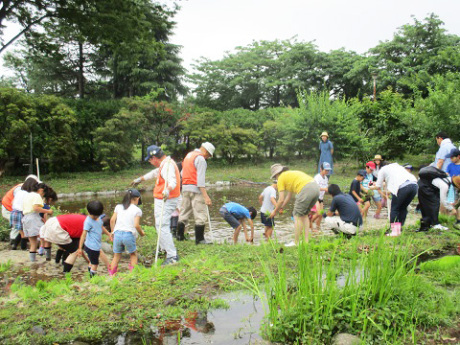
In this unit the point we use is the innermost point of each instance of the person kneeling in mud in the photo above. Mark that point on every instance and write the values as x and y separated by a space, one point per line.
236 215
349 217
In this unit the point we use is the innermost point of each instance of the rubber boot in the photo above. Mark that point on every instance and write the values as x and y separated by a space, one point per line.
173 227
67 267
48 253
199 235
16 242
181 231
24 242
114 271
33 256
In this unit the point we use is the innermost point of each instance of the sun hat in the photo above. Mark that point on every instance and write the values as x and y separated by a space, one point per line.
371 165
378 157
362 173
209 147
276 168
326 166
324 134
153 151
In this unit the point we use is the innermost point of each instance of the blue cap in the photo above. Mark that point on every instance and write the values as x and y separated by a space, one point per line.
408 166
362 173
453 153
326 166
152 151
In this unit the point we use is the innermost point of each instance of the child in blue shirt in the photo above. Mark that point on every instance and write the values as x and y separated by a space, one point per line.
91 237
236 215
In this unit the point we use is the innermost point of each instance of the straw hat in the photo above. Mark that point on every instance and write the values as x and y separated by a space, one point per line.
324 134
275 169
456 181
378 157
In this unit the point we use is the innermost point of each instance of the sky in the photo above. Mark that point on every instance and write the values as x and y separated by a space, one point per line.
209 28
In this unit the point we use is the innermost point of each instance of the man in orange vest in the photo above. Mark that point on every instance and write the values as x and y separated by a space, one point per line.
195 199
166 194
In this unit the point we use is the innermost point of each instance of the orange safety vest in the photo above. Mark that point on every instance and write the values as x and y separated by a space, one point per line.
161 182
189 174
7 200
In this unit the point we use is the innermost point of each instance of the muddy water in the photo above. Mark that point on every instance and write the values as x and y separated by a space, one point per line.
247 196
237 325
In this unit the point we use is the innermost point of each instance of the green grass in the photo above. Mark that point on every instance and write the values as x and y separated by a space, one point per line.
69 310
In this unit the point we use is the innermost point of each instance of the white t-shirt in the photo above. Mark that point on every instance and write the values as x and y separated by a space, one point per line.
322 182
125 218
267 204
19 199
394 175
31 199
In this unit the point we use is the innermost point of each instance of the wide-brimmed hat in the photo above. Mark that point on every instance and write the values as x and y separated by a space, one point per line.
456 181
275 169
209 147
324 134
378 157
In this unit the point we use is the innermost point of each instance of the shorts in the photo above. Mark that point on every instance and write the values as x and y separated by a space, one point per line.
124 240
71 247
377 197
230 218
16 220
31 224
267 221
93 255
306 199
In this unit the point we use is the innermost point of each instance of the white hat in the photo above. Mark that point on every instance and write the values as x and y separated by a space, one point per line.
34 177
276 169
209 147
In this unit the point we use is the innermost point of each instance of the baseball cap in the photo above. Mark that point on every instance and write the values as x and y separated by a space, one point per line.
152 151
134 192
326 166
371 165
362 173
453 153
408 166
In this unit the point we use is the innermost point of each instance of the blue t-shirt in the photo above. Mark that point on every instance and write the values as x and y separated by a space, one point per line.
453 169
94 233
348 210
237 210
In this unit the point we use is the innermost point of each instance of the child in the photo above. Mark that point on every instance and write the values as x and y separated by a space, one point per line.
50 198
236 215
355 191
92 235
315 216
369 180
323 181
267 200
125 227
32 222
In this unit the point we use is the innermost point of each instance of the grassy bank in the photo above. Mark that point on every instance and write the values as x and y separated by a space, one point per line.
344 172
91 309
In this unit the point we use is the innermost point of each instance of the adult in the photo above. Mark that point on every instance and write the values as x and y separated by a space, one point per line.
445 147
195 199
403 187
65 231
306 192
349 217
433 185
7 207
327 150
379 164
166 194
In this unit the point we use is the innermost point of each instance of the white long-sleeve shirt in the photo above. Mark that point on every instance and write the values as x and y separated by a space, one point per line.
394 175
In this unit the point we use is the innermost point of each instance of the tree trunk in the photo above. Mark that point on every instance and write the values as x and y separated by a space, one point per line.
81 77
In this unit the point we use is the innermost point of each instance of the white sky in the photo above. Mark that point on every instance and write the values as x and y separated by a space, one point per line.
209 28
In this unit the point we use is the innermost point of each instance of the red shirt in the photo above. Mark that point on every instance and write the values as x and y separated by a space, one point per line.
72 223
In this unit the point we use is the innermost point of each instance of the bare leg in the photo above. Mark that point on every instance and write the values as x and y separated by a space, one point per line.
133 259
305 221
236 234
367 204
33 244
104 259
115 260
379 207
302 225
268 232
